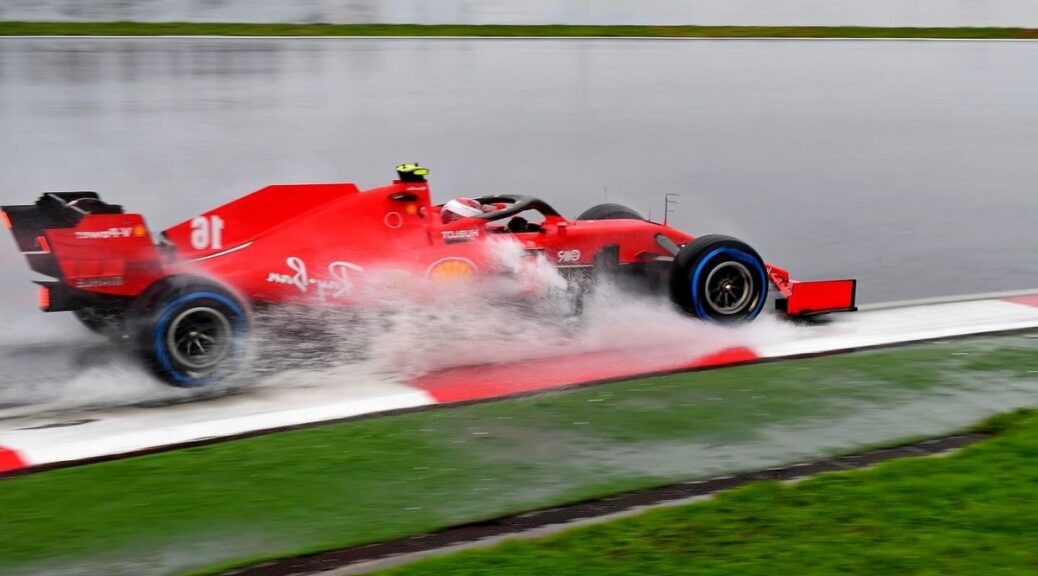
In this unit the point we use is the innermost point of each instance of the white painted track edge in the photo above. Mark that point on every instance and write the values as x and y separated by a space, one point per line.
949 299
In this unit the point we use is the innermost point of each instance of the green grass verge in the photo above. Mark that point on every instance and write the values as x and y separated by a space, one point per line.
11 28
376 479
974 512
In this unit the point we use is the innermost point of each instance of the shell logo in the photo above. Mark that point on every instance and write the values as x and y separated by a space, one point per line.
452 269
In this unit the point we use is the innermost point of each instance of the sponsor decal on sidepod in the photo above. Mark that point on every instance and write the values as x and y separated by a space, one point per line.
337 285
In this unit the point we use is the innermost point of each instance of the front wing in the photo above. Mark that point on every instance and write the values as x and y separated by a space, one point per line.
813 297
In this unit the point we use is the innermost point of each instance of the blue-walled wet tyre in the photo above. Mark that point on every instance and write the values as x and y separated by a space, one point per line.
192 333
720 279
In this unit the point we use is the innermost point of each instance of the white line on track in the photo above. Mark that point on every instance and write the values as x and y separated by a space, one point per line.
83 435
883 326
1001 295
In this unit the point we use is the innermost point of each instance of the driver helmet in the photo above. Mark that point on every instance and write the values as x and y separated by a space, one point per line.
459 208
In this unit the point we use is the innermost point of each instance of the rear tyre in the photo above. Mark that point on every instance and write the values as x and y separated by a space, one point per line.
719 278
191 333
610 212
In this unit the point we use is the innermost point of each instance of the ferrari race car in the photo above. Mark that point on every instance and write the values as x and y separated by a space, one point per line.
185 300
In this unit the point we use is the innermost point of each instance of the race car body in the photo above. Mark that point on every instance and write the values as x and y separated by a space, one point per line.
185 299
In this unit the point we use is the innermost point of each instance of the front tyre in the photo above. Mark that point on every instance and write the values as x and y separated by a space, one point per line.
719 278
194 334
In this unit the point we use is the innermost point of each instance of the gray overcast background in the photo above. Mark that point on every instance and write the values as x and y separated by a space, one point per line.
910 165
737 12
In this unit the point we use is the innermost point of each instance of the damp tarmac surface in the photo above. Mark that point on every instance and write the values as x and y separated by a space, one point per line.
667 12
909 165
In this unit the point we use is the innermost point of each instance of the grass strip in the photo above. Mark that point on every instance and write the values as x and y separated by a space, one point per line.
970 513
23 28
370 480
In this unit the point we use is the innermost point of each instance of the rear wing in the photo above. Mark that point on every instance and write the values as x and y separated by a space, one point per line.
84 242
29 223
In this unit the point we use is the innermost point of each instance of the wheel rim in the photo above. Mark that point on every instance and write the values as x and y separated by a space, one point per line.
199 338
729 288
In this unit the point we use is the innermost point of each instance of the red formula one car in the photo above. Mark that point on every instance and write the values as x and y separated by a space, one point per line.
185 300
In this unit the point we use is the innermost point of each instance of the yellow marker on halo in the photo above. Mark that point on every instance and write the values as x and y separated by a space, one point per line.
412 169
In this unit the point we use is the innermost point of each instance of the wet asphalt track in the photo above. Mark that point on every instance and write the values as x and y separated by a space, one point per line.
723 12
909 165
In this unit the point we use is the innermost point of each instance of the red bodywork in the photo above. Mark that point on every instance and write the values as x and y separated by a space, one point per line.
332 244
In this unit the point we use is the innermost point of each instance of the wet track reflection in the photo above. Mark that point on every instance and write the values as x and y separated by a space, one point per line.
47 380
908 165
722 12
